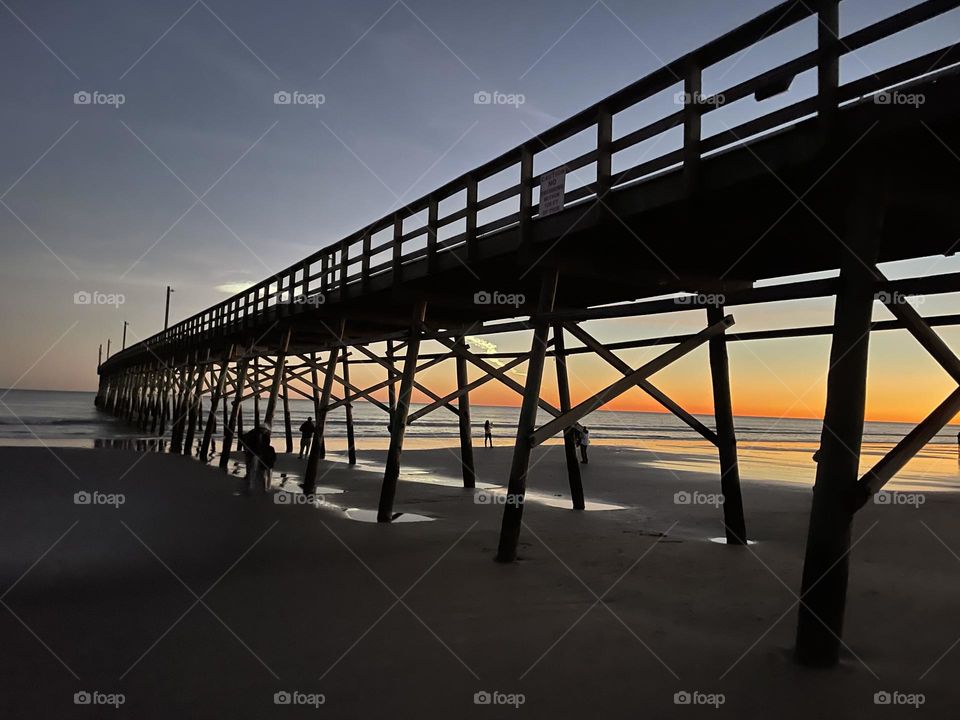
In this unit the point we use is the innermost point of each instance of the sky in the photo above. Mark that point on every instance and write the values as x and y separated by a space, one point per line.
199 180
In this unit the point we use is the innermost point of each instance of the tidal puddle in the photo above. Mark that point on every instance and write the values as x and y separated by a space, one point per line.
723 541
371 516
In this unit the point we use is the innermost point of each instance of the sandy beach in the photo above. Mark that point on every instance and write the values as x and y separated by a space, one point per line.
191 602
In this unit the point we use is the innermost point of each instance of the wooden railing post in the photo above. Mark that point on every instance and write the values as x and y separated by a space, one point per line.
828 63
692 125
604 152
525 254
397 248
365 262
471 219
433 212
344 265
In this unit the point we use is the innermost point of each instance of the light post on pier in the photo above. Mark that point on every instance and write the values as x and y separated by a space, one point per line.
166 313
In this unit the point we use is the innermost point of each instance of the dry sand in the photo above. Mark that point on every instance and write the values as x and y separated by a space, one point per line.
194 603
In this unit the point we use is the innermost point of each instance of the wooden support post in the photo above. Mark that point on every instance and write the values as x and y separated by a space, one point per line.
398 422
160 379
517 486
276 383
113 394
177 425
193 408
317 407
235 413
108 396
256 392
168 386
157 409
121 393
287 427
734 523
139 388
466 435
313 461
215 397
826 565
348 410
226 406
146 407
569 447
391 388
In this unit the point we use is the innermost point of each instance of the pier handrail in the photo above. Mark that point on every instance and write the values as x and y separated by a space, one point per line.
379 248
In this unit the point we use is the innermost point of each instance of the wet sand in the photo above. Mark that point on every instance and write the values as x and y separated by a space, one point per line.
195 603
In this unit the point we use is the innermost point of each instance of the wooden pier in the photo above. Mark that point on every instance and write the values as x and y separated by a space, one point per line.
854 175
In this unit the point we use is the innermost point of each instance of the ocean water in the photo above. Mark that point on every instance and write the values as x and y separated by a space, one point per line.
770 449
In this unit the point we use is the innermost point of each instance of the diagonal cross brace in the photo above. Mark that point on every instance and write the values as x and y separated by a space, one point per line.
571 417
464 389
914 441
496 372
396 373
644 384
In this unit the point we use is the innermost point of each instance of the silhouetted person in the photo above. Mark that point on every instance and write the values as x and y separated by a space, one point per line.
260 457
487 433
583 441
306 436
213 442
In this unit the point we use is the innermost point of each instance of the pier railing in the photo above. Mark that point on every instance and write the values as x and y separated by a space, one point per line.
414 232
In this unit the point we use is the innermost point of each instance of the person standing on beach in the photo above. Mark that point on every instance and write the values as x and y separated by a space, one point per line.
259 457
487 433
583 440
306 436
213 441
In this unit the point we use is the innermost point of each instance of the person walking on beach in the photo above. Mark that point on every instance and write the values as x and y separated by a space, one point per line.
487 433
306 436
583 440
